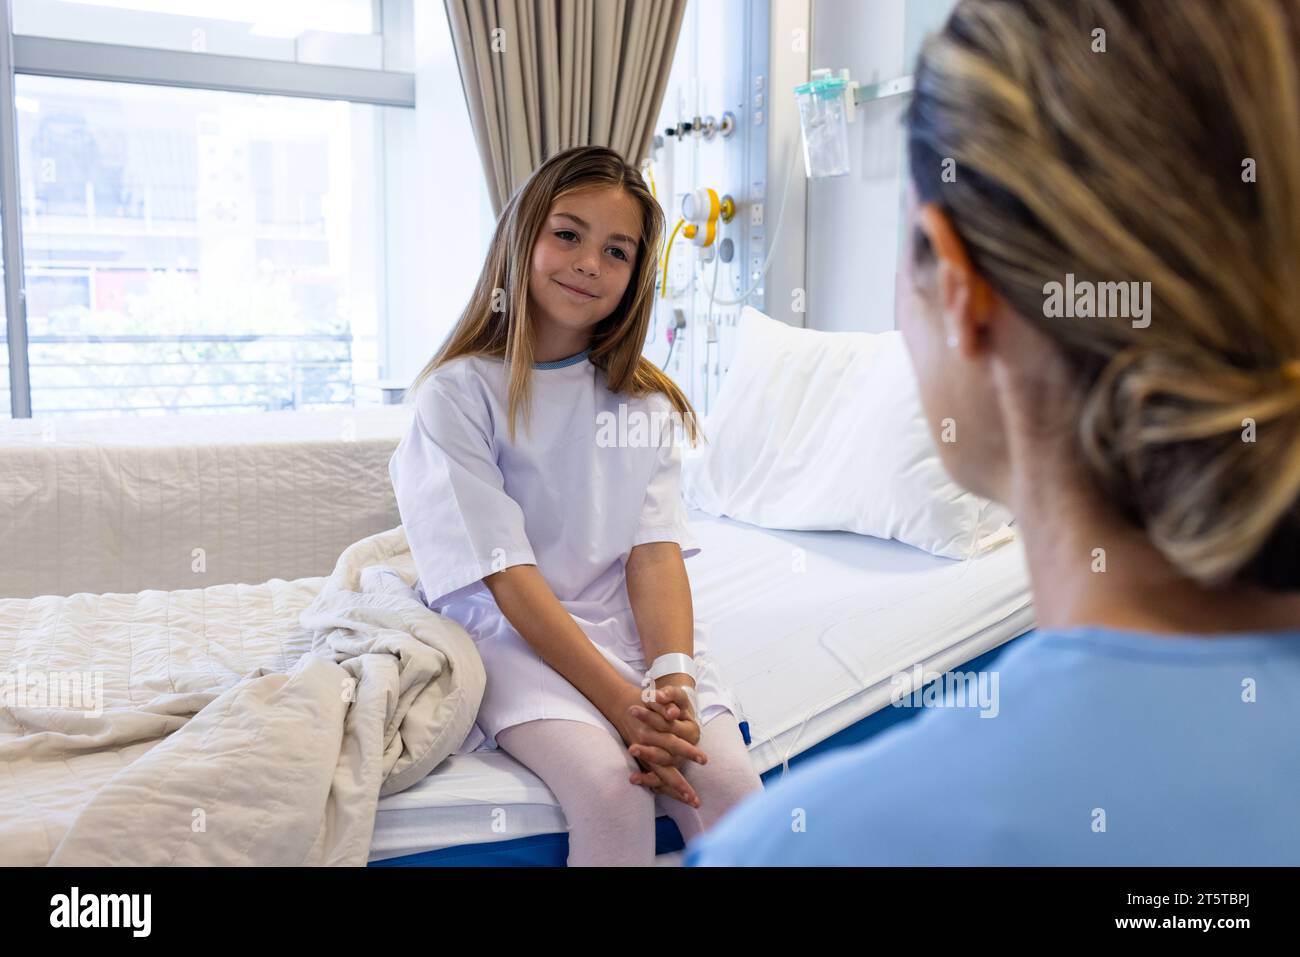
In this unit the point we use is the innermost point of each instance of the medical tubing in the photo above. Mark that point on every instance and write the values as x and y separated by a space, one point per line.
964 565
648 168
708 322
663 286
776 233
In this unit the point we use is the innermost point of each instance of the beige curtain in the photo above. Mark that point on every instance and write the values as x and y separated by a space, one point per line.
541 76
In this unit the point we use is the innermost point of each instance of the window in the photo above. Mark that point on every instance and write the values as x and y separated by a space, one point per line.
332 32
196 250
232 205
5 410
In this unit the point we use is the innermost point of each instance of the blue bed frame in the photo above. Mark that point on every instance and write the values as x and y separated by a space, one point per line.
552 850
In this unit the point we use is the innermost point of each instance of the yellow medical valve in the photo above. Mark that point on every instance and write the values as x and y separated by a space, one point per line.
701 209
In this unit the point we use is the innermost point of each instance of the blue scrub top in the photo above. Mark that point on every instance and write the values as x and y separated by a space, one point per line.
1107 748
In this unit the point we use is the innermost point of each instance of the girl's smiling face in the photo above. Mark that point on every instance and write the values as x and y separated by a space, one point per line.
584 257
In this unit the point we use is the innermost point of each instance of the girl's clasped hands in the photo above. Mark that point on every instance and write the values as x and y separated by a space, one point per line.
662 731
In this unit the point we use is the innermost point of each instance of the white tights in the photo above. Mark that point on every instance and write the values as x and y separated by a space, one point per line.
611 820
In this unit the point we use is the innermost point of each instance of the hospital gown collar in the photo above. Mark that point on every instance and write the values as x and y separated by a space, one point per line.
561 363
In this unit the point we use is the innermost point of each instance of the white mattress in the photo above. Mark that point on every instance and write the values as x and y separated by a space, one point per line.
807 629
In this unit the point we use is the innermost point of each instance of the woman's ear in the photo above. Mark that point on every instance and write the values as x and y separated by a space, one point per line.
966 301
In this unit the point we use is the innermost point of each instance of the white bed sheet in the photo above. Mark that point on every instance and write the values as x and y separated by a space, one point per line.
807 629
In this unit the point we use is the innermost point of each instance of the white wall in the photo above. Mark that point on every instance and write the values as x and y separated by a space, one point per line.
439 216
854 220
791 50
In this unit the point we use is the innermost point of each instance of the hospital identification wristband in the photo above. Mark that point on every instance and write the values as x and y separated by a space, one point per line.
676 663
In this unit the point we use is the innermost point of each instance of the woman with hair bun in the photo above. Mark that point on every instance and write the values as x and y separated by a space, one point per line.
1151 454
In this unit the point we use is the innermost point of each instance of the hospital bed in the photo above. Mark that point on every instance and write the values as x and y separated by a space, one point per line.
807 628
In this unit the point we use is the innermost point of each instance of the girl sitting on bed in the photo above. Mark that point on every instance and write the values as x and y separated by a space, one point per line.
560 552
1151 455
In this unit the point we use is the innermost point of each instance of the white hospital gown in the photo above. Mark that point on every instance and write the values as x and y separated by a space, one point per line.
473 502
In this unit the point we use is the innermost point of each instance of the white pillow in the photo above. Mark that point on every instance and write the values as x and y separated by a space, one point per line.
825 430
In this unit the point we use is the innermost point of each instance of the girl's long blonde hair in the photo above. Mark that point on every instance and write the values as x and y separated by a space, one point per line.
496 322
1156 141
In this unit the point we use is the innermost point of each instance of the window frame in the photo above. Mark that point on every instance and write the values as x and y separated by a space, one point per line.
76 59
